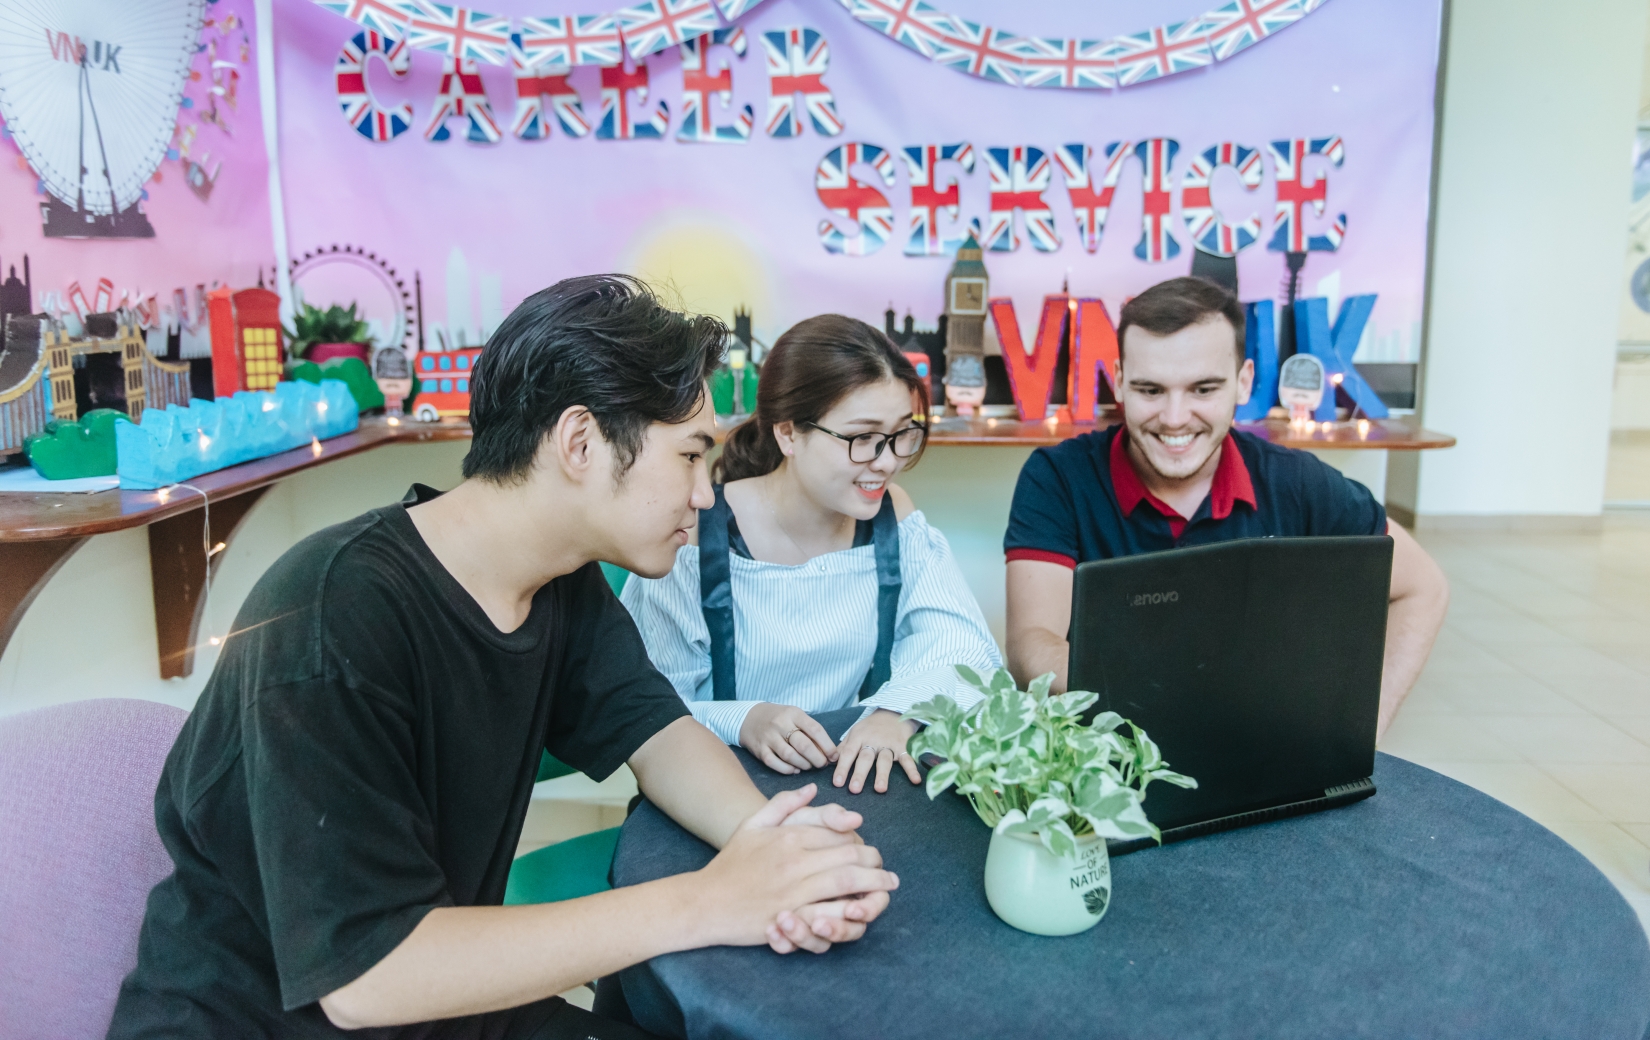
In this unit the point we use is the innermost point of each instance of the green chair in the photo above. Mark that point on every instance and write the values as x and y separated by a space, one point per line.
568 869
616 576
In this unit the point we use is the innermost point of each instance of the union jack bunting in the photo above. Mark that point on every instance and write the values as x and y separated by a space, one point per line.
350 77
533 85
979 50
458 32
595 40
389 17
1208 230
1019 176
1091 203
929 202
733 9
700 84
1073 64
852 199
1244 23
1308 6
1156 243
1160 52
541 45
462 94
653 25
1294 195
616 121
911 23
798 59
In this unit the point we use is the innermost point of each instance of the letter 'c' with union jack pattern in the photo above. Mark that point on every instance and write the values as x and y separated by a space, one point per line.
1208 230
350 74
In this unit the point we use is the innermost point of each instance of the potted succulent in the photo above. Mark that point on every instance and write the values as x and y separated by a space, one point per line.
1051 788
320 335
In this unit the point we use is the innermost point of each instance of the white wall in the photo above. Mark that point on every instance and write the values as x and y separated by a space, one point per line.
91 631
1539 105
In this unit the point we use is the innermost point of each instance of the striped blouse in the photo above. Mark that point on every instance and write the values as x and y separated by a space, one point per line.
806 634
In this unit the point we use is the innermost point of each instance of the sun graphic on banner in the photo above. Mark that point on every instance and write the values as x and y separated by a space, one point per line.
698 264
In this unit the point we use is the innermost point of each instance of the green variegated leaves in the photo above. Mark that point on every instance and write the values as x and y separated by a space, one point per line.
1029 766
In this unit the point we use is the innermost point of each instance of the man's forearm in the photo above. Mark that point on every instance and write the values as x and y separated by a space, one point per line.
1412 623
1033 651
688 772
473 959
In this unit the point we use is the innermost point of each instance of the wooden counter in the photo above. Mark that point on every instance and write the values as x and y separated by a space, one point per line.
1378 434
38 532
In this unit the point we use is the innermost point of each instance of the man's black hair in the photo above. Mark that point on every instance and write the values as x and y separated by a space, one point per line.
1179 303
602 341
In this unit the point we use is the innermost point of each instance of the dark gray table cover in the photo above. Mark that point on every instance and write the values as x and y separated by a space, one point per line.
1429 910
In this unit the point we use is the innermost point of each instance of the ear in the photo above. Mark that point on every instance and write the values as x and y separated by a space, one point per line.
785 434
1246 380
575 444
1117 373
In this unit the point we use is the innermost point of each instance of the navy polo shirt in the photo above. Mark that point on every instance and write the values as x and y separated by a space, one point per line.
1081 500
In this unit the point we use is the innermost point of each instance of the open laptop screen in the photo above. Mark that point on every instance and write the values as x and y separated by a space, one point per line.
1255 665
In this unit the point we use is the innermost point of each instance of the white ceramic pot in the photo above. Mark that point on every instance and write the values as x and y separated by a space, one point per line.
1036 891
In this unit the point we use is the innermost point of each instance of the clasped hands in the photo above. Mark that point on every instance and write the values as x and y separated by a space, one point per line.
797 876
788 740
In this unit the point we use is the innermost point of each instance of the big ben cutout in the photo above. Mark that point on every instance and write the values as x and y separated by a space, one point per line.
965 294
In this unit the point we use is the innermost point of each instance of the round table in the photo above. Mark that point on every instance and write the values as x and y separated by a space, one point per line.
1429 910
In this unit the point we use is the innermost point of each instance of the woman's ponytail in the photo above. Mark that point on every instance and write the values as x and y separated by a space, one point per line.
749 451
815 364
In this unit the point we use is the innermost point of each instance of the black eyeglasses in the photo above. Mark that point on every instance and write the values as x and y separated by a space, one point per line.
867 447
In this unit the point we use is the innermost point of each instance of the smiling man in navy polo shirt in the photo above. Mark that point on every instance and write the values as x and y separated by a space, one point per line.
1175 474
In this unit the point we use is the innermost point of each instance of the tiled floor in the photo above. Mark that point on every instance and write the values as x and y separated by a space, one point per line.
1628 477
1538 691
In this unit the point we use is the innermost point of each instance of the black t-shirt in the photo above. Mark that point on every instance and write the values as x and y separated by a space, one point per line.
363 753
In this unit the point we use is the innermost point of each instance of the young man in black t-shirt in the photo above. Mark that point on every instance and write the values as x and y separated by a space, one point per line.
344 802
1175 473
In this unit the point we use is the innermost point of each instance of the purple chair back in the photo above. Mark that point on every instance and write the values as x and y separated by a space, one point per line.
78 856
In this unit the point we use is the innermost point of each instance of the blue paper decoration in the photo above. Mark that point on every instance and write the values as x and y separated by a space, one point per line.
177 444
1260 345
1335 347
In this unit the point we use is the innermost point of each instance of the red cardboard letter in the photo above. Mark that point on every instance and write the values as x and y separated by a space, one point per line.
1093 351
1031 375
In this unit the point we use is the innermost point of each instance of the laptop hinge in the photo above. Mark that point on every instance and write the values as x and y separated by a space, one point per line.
1333 797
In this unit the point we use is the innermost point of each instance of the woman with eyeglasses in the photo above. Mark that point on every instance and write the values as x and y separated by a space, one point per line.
814 583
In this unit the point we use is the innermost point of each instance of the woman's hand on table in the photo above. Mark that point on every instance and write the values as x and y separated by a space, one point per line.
795 885
877 740
817 926
785 738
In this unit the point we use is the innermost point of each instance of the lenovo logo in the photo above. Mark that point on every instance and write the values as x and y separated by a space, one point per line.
1152 599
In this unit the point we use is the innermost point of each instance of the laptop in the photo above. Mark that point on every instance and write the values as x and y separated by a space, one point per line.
1254 665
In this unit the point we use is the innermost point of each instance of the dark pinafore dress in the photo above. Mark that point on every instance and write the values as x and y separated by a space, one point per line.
718 536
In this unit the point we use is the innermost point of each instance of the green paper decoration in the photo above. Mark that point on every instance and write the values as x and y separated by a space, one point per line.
64 450
721 390
352 372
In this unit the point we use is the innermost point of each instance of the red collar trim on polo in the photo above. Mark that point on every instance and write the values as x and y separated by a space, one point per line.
1231 483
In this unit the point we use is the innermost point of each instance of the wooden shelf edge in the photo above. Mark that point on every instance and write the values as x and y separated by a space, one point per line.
47 517
50 517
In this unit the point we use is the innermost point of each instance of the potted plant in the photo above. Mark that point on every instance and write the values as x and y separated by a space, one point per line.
1051 788
320 335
